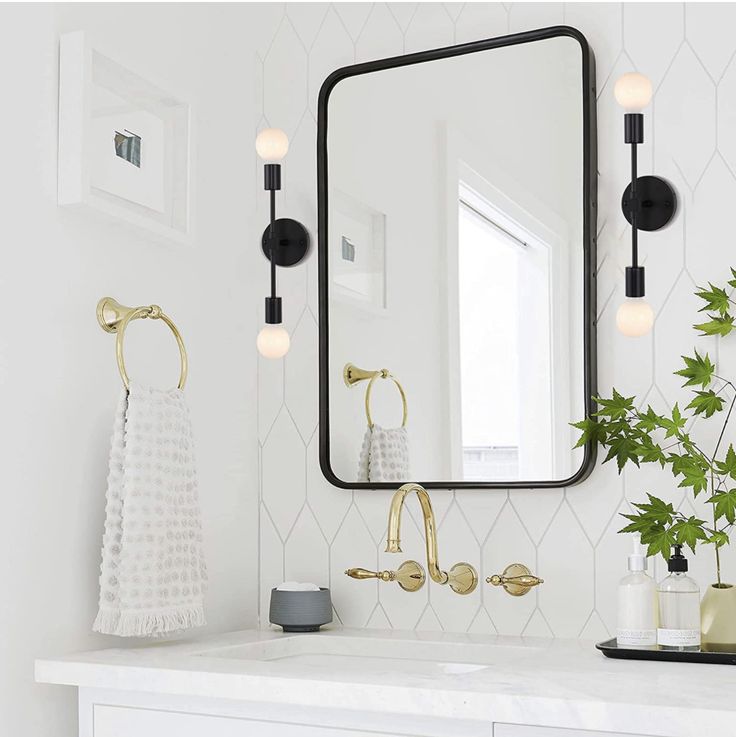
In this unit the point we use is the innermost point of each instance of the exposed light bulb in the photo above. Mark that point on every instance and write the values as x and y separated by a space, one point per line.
633 91
273 341
272 144
635 317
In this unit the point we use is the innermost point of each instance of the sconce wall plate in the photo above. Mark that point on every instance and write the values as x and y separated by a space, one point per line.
658 203
292 240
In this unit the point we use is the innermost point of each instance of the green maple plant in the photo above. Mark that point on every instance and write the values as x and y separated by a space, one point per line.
635 435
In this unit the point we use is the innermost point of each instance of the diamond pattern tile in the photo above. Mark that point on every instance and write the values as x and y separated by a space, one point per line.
305 552
477 21
567 604
302 373
601 24
610 567
283 473
431 27
309 529
285 79
353 547
685 110
332 48
507 543
707 251
709 29
456 612
271 571
329 507
353 16
381 35
643 22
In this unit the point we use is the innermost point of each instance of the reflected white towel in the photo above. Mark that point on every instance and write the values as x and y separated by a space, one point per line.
153 573
384 455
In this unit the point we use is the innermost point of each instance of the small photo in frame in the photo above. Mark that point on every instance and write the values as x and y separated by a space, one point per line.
124 143
358 253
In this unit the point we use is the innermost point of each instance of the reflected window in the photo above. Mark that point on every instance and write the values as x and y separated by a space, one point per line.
488 272
500 269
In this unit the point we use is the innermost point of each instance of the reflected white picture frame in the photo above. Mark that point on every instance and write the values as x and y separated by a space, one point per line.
358 254
124 144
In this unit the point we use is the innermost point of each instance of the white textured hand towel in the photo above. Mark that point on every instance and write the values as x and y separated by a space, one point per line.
384 455
153 573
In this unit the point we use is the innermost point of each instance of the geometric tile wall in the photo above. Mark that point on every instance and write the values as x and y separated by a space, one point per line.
311 531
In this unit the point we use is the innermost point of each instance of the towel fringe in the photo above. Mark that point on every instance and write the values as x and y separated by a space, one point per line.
106 622
143 624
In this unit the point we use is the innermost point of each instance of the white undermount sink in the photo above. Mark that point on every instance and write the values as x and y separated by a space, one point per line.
339 653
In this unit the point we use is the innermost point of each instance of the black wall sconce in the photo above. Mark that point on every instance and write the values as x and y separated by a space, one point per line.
285 242
648 203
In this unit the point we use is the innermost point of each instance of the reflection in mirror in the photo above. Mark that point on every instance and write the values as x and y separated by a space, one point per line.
455 263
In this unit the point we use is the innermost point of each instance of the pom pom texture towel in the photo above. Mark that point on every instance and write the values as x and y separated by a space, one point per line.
384 455
153 573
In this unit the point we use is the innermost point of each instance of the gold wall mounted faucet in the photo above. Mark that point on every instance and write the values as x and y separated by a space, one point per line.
462 577
517 580
410 575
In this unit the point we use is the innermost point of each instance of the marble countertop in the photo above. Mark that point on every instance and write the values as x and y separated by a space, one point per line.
556 683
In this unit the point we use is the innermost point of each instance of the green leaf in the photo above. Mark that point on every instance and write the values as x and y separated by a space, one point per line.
651 452
728 466
692 468
617 408
649 421
592 431
732 282
658 539
716 300
695 477
676 425
716 326
707 403
698 370
656 510
719 538
623 449
725 505
689 531
637 523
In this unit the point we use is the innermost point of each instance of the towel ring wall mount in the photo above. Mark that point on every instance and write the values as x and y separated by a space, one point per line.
114 318
352 375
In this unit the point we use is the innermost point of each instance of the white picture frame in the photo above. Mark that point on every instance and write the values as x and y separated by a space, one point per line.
358 254
124 144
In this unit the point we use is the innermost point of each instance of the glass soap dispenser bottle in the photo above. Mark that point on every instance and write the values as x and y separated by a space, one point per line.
679 607
637 604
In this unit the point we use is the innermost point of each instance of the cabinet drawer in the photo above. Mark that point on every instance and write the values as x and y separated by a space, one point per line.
518 730
121 721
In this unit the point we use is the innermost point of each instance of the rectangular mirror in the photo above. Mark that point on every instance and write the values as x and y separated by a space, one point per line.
456 265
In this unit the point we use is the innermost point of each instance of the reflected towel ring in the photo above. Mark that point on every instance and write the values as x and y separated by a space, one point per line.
114 318
352 375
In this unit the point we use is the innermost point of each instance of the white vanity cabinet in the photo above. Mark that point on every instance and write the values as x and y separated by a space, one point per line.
123 714
519 730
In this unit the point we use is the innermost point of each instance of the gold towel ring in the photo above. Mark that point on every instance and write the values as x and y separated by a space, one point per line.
352 375
114 318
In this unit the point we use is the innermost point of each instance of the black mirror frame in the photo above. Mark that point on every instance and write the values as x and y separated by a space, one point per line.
589 245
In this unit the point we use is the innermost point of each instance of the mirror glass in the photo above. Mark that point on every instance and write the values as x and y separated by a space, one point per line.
454 261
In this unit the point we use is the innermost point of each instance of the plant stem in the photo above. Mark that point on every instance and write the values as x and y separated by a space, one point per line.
712 480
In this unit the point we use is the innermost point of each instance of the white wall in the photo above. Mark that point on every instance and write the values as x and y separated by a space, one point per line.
58 377
308 529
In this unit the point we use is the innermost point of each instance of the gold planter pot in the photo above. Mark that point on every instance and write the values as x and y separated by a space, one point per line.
718 618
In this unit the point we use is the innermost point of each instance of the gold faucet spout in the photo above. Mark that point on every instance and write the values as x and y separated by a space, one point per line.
393 543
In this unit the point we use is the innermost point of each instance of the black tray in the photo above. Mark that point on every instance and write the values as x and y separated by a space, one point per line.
611 650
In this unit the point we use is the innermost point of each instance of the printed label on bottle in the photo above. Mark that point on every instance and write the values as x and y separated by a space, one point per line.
636 638
678 638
